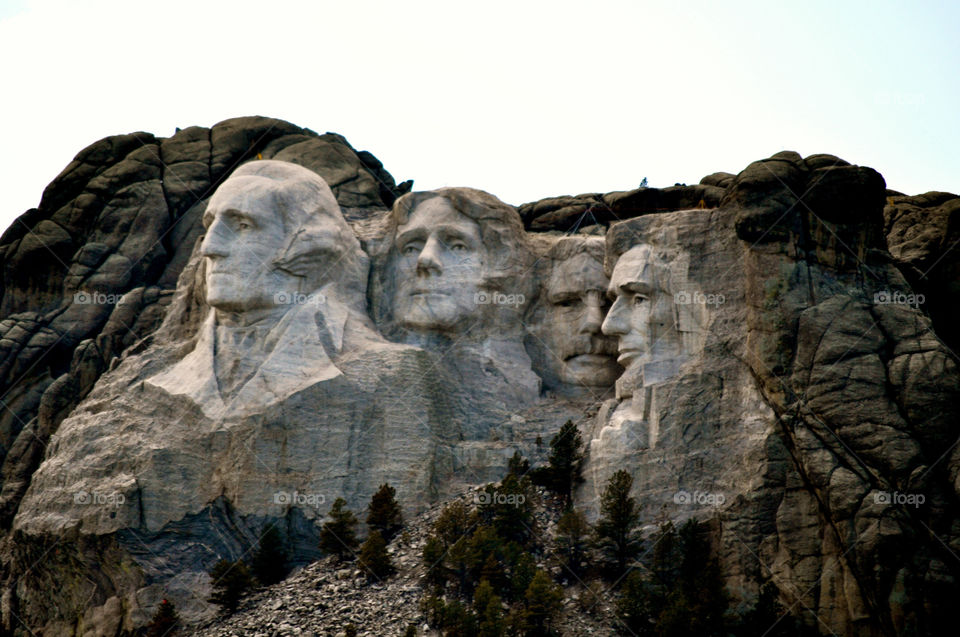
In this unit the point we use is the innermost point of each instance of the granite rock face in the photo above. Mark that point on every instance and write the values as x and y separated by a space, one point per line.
769 350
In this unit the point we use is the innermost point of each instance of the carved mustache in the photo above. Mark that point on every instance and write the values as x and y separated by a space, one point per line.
592 345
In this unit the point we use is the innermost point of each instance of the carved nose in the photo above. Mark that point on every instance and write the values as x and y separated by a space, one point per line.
592 319
614 324
214 243
429 259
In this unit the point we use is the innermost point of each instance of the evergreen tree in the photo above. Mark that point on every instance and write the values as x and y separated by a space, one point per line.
488 607
634 608
270 561
454 522
666 556
338 536
522 571
615 531
509 509
230 581
768 617
374 559
544 601
566 462
384 514
350 630
165 621
518 465
433 556
697 603
573 532
458 621
432 608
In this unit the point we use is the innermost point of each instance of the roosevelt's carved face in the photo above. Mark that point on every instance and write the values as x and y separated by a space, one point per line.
439 267
642 314
244 235
577 304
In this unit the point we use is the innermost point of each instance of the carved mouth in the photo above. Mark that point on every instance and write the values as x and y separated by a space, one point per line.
627 355
590 359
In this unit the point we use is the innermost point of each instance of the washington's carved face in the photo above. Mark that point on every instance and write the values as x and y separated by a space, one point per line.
244 235
577 305
439 267
642 314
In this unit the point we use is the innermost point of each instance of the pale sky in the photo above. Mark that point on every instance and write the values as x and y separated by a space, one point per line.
525 100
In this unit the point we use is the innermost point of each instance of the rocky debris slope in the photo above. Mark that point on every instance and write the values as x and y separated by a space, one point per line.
322 598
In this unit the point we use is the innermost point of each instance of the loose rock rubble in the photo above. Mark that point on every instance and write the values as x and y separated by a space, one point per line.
322 598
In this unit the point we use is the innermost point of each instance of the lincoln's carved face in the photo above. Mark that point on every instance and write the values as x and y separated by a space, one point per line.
642 316
576 305
439 267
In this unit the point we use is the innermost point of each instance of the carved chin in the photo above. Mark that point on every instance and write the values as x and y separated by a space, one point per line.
591 370
430 312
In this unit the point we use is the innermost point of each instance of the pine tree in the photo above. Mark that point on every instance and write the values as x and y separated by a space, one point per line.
509 509
433 555
384 513
458 620
230 581
566 461
165 621
270 560
374 559
544 601
615 531
634 607
339 535
522 571
573 532
488 607
518 465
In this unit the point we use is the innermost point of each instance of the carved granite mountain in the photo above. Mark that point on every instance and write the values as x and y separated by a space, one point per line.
784 369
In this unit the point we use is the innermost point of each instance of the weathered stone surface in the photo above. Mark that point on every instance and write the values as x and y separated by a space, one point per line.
782 375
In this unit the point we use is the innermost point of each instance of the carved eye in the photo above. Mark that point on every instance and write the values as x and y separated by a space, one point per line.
410 249
458 247
244 225
571 302
638 299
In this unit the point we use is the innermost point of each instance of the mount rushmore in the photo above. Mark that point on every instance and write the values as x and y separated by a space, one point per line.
232 327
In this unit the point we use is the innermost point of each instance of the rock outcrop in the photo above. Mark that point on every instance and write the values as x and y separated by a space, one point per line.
780 341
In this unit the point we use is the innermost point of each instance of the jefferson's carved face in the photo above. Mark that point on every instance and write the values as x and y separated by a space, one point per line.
439 267
577 304
642 314
244 235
